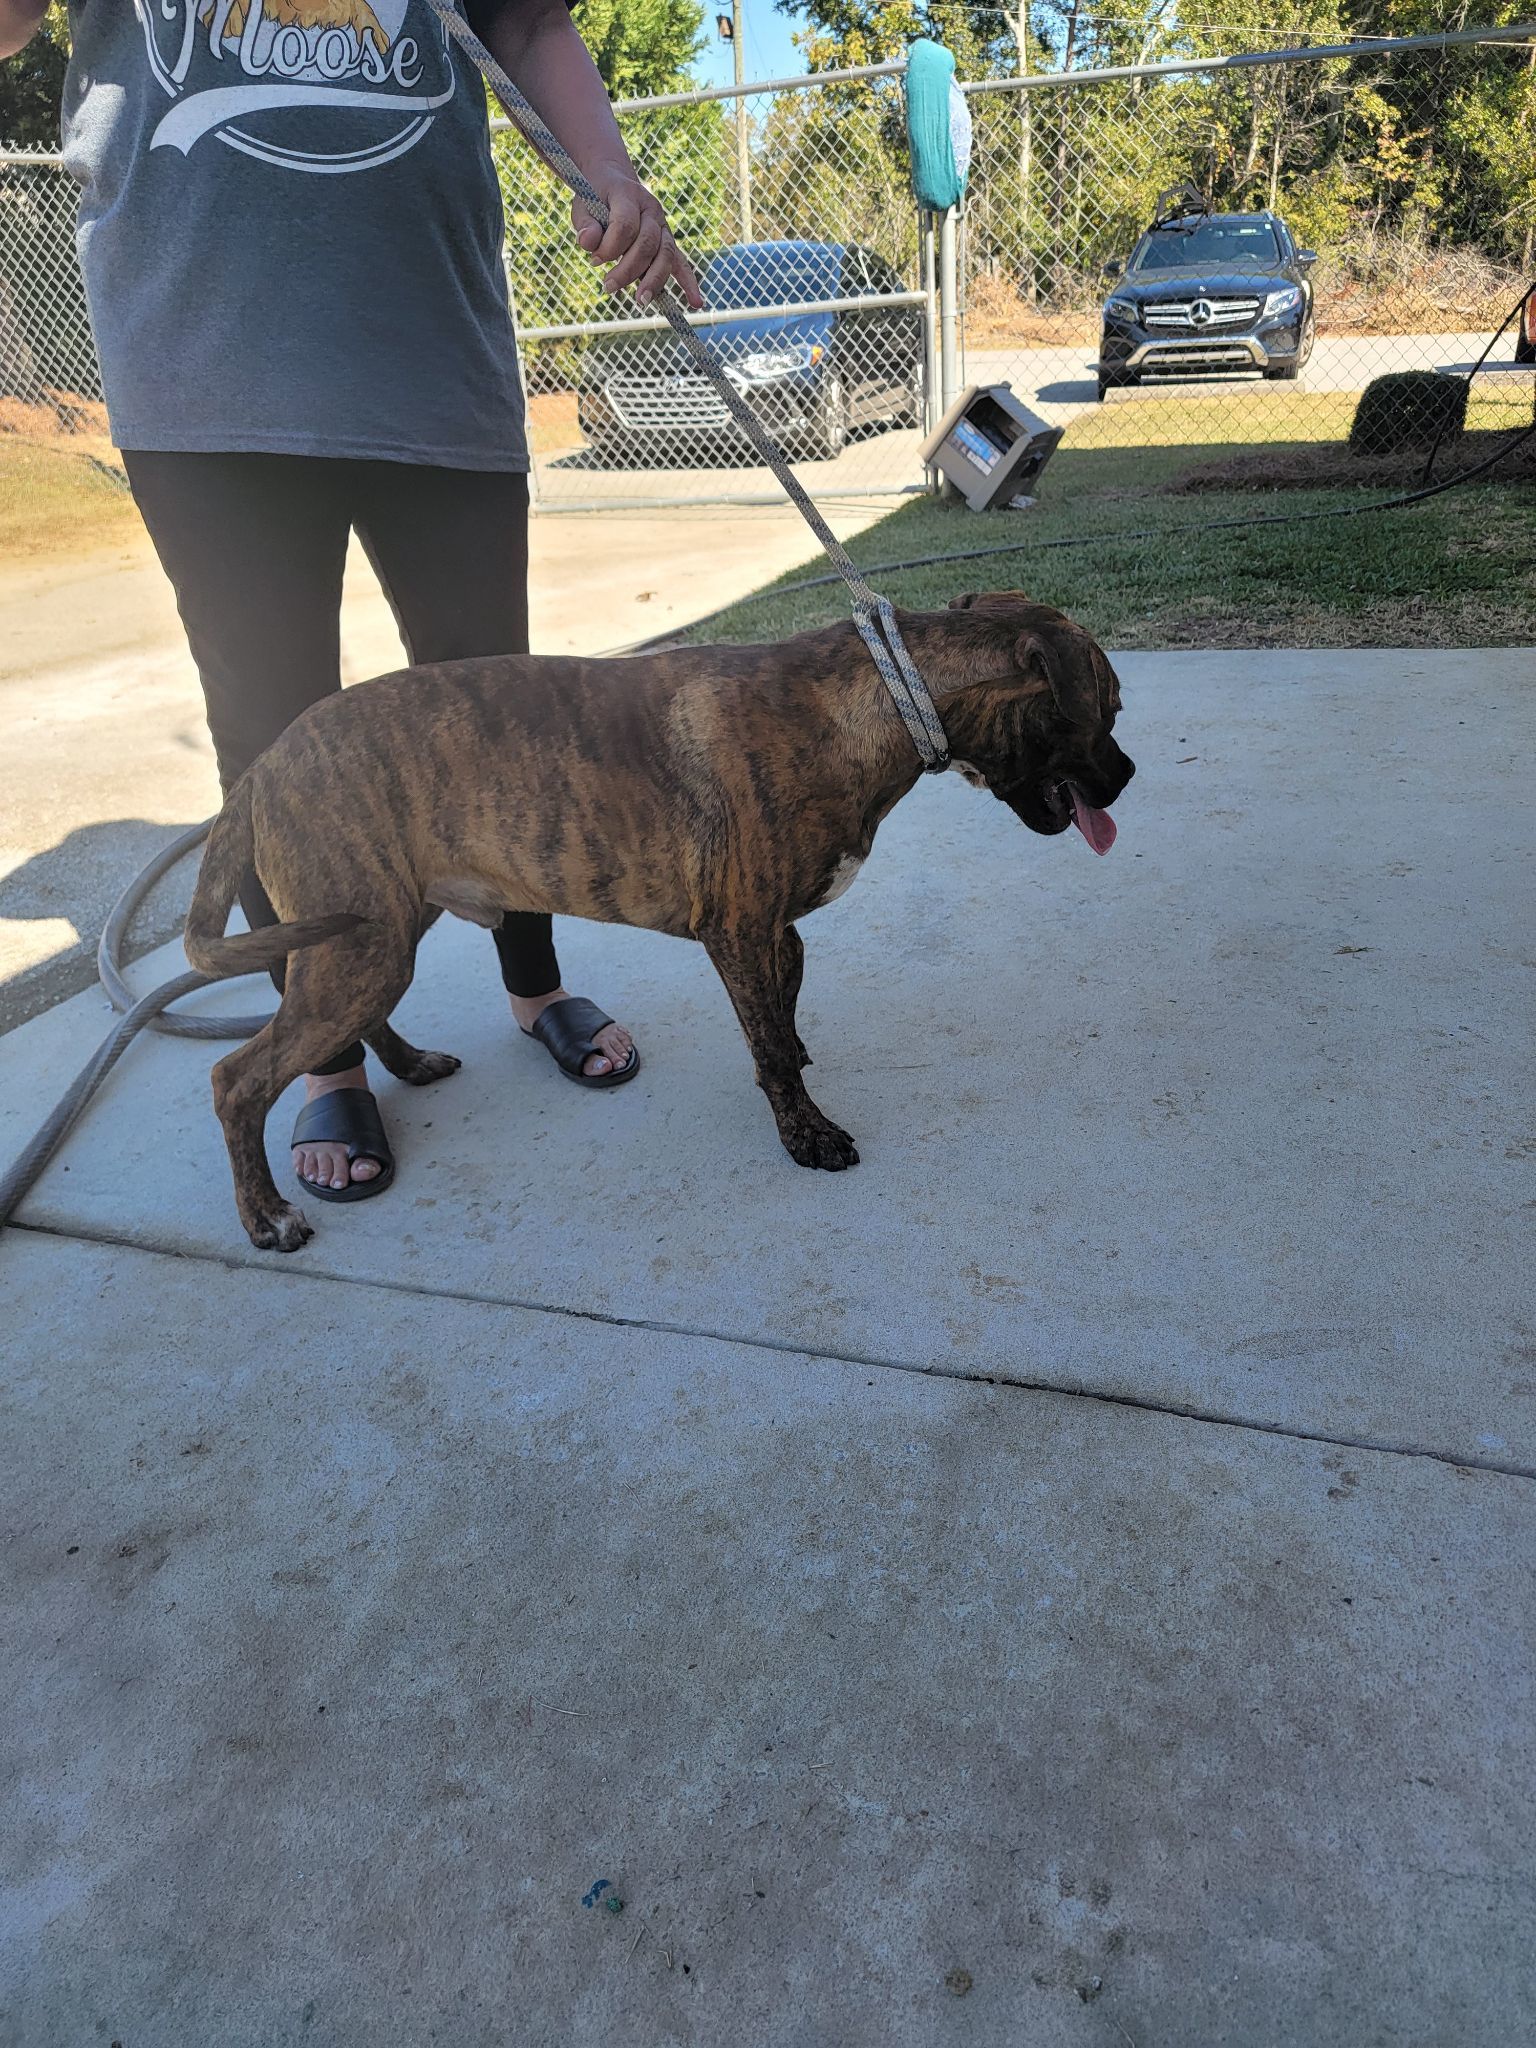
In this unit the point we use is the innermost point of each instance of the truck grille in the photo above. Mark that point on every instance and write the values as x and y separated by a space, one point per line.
1178 316
681 401
1200 355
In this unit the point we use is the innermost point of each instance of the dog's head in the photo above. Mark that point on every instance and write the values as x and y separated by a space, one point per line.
1037 726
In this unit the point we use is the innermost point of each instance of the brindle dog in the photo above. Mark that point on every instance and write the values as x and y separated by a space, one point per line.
717 793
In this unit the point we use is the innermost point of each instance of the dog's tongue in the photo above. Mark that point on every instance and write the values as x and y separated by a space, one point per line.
1097 827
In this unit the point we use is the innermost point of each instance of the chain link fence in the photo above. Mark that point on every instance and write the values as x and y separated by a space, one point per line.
1372 214
49 382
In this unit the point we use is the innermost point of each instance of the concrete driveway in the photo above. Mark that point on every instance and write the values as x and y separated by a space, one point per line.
1068 1581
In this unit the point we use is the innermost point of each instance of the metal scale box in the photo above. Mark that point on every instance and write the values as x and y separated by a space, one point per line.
990 447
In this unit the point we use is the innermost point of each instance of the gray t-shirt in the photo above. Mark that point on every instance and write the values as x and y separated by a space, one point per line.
291 231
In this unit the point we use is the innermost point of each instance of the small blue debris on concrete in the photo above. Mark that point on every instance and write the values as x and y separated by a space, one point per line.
602 1885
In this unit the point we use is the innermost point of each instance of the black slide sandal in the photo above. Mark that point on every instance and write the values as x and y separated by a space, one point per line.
350 1117
568 1030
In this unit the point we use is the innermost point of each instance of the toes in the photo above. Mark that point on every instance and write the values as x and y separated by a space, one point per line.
284 1229
322 1166
616 1045
820 1144
431 1066
365 1169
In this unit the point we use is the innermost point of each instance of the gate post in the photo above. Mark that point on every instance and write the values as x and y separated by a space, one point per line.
925 242
949 309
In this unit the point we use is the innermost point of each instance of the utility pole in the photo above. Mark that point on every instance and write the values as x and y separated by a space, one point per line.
1018 21
743 131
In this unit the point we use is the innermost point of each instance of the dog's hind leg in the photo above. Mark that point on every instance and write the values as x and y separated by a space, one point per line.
337 992
397 1055
406 1061
761 972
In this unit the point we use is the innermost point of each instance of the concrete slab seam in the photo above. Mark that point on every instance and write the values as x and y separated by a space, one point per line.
1174 1411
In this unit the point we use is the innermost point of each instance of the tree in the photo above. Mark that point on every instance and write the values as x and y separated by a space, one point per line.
32 86
643 48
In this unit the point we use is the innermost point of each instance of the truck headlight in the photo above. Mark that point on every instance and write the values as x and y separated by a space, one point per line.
1285 301
1122 309
778 362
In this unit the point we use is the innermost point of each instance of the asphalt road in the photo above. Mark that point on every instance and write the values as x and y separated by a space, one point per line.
1060 383
1057 383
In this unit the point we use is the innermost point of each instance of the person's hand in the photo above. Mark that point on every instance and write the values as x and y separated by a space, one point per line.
20 21
637 241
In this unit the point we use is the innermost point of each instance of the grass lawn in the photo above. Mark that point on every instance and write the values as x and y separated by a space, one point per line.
55 501
1457 571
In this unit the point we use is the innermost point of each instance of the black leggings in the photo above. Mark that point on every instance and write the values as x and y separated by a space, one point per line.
255 546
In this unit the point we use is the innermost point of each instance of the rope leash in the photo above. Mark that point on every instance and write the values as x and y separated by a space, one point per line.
872 614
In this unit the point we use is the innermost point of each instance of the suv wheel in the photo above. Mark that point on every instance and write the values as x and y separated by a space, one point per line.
1289 372
1108 380
911 413
828 435
1525 341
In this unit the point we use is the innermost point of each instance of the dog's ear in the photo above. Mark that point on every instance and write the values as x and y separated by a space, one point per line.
988 600
1080 677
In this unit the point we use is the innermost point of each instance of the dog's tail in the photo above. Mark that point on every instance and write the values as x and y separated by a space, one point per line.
225 861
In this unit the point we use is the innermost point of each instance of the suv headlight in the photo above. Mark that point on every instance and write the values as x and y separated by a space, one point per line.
1123 309
778 362
1285 301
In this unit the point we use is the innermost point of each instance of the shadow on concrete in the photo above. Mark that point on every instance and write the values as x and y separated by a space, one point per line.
78 881
1072 391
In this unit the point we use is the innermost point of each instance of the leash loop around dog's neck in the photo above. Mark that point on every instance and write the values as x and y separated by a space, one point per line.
872 614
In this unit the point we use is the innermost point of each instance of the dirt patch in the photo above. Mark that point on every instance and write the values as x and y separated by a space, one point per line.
55 416
1434 621
996 317
60 495
552 423
1326 465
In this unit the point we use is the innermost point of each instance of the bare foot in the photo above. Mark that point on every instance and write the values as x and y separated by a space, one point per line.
327 1166
615 1041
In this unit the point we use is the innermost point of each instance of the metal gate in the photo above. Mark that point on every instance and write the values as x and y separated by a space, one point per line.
823 311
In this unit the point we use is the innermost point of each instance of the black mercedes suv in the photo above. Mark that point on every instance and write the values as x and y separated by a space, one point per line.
1209 292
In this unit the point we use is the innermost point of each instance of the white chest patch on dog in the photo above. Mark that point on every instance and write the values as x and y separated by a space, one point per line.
844 875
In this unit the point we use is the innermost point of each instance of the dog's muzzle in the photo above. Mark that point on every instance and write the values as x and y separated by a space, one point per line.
1082 800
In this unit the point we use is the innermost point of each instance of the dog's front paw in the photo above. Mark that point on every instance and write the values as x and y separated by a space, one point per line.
816 1141
283 1229
431 1066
